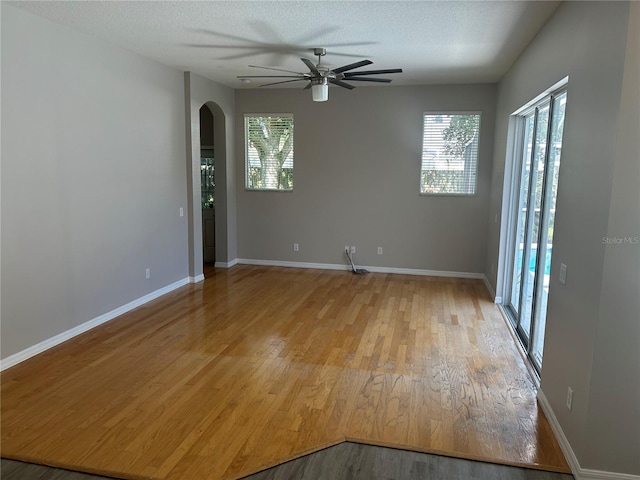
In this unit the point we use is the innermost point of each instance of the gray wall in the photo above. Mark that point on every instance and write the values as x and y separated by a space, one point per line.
356 179
592 333
613 418
93 176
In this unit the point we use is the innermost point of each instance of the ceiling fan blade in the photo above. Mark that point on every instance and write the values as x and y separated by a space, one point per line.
350 44
363 79
285 81
301 76
308 86
237 56
276 69
342 84
311 66
351 66
372 72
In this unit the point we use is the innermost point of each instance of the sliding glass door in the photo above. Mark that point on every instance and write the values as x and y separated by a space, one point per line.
539 136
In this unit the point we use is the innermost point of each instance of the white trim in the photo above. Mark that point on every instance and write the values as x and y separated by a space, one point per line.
29 352
588 474
197 278
491 291
334 266
565 446
427 273
552 90
230 264
578 472
281 263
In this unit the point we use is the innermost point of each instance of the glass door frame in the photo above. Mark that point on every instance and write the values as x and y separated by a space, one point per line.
519 149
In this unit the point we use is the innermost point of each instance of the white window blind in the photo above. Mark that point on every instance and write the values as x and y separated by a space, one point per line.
449 154
269 152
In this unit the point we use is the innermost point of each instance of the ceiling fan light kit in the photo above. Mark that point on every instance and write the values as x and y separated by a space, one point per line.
320 76
320 89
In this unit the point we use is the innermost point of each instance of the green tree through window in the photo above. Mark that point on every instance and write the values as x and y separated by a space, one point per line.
450 154
269 152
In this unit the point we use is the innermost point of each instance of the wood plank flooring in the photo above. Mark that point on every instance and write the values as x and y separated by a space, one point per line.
259 365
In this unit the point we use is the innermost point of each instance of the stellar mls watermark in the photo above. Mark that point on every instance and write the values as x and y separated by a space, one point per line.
621 240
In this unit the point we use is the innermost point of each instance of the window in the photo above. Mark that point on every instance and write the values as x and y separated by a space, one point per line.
269 152
449 154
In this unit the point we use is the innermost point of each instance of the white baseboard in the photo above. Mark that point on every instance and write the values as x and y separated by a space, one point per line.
230 264
578 472
491 291
560 436
282 263
23 355
333 266
588 474
197 278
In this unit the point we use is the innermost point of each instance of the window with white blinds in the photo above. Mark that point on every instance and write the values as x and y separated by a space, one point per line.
449 153
268 152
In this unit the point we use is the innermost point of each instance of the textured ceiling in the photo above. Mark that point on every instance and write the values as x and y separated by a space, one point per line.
432 41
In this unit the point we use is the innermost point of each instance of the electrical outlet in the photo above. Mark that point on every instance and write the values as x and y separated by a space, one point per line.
563 274
569 397
181 212
347 249
353 249
296 247
379 250
147 273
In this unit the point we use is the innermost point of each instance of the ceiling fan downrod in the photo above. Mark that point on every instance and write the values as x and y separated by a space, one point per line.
319 52
320 84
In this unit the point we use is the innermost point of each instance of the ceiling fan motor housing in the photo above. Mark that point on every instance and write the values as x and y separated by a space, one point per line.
325 72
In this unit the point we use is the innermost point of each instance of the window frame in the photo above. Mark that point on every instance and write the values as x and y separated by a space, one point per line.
422 149
246 142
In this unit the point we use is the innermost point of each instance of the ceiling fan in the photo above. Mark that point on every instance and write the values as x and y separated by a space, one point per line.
320 76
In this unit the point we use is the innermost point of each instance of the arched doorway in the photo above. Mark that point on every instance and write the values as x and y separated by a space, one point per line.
220 227
199 92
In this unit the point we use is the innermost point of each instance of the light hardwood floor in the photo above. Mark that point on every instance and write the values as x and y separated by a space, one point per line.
259 365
